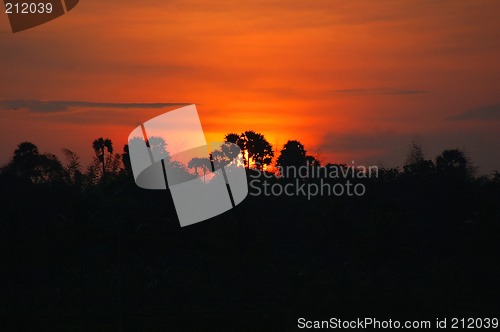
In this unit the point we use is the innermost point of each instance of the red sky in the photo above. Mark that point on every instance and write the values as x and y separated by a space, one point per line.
349 79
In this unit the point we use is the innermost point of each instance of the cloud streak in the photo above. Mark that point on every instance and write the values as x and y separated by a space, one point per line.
489 112
39 106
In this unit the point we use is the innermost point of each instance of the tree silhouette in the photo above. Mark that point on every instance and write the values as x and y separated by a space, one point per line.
25 153
203 163
73 166
127 164
257 147
234 138
415 154
312 161
100 145
226 154
31 166
415 164
454 163
159 147
240 141
294 154
26 157
49 169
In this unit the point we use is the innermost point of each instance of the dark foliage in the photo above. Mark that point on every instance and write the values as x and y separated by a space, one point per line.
258 149
79 255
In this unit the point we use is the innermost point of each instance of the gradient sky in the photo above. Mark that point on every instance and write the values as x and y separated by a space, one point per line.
352 80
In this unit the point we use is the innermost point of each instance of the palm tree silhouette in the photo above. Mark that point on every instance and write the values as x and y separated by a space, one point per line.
203 163
100 145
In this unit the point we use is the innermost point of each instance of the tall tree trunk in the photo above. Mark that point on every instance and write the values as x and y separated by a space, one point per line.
103 163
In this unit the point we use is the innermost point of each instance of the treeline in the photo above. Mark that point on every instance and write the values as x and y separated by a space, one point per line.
85 249
29 165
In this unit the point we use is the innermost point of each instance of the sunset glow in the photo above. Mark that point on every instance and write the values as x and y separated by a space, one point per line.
350 80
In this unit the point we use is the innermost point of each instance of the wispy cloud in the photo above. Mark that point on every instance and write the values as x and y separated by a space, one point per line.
489 112
39 106
377 91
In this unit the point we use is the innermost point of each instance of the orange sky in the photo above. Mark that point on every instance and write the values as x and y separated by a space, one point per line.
350 79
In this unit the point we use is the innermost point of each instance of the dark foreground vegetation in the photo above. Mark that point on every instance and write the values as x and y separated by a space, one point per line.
86 250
